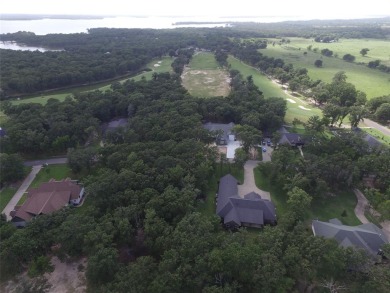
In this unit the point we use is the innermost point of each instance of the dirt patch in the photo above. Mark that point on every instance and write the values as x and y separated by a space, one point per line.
206 83
67 276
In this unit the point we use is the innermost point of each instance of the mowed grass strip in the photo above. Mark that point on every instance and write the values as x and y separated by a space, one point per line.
371 81
204 78
296 107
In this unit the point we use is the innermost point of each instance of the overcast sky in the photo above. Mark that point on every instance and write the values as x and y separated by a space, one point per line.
308 8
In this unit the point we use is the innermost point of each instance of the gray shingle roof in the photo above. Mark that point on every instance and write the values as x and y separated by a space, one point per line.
251 209
367 236
291 139
226 128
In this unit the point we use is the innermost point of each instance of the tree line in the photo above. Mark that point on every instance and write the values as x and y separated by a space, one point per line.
141 230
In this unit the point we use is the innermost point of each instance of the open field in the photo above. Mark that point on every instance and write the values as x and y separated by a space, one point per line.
204 78
371 81
296 108
158 66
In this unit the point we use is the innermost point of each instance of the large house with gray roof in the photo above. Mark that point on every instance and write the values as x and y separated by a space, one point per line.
367 236
223 132
235 211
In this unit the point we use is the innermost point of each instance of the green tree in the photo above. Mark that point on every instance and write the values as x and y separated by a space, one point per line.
249 136
11 168
240 157
349 57
102 266
364 51
318 63
298 202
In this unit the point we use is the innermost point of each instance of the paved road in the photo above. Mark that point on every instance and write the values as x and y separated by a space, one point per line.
46 161
249 181
22 189
377 126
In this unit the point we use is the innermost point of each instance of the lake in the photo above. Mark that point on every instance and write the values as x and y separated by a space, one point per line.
66 26
47 25
21 47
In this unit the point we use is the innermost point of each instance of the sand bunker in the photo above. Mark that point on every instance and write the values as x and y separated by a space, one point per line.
159 62
303 108
291 101
156 65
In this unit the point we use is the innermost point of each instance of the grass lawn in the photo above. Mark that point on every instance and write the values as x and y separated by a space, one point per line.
322 209
371 81
207 207
22 199
327 208
378 135
204 78
57 172
296 107
5 196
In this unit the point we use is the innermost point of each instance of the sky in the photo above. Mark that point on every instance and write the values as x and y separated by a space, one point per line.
250 8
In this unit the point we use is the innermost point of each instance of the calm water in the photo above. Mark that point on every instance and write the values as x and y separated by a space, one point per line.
67 26
15 46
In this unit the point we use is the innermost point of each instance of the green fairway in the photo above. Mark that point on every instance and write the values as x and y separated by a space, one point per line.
204 78
163 65
296 108
203 61
371 81
42 99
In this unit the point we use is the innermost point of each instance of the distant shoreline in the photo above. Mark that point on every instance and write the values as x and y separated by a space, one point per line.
49 16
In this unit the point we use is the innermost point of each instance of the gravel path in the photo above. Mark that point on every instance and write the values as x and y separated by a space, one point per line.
22 189
249 181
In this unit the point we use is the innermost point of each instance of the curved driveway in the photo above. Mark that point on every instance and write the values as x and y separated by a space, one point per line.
249 182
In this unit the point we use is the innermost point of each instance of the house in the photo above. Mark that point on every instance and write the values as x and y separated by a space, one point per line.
292 139
223 132
250 211
367 236
47 198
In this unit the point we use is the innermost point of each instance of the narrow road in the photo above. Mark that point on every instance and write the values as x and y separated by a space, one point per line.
249 181
22 189
52 161
377 126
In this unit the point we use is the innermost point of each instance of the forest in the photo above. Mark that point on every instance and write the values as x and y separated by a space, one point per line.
140 227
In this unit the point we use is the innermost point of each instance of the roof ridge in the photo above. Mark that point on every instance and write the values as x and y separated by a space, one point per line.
48 198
